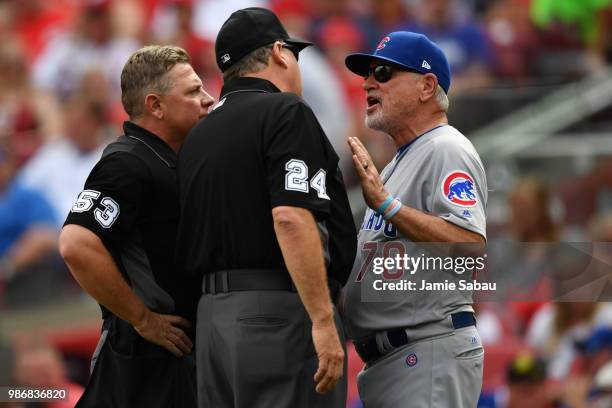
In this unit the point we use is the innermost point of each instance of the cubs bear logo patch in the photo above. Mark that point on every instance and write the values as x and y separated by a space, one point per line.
459 188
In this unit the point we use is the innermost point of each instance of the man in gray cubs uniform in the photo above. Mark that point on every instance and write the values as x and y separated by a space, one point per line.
421 348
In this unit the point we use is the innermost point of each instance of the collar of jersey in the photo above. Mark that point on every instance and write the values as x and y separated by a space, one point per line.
152 141
405 147
248 84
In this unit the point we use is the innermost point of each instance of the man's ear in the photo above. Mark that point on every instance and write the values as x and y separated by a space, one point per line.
153 105
429 86
277 55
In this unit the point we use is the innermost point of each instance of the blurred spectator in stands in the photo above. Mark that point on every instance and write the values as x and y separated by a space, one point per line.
35 22
59 169
526 386
582 385
172 23
570 31
558 327
209 15
128 19
386 16
530 216
464 42
600 230
490 326
598 350
92 44
6 19
39 365
586 195
295 14
322 10
527 383
28 232
530 221
576 18
340 36
603 42
389 15
27 117
600 395
513 40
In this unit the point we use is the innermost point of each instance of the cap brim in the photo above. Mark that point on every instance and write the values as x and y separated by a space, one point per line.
299 44
359 63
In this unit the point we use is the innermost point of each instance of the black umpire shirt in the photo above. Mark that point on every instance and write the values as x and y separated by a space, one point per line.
258 149
130 201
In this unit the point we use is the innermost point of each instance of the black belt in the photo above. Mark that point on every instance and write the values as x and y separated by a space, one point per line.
240 280
368 349
237 280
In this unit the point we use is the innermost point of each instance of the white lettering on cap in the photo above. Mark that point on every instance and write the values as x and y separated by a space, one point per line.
225 58
426 65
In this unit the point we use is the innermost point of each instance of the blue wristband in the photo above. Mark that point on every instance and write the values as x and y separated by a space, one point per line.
394 210
381 210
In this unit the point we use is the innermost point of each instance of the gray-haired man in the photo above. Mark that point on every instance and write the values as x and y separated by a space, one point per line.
421 348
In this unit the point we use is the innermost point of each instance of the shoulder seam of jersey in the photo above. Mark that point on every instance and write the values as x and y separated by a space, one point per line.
152 149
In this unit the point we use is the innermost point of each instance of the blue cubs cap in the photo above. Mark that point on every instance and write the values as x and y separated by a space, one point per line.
409 50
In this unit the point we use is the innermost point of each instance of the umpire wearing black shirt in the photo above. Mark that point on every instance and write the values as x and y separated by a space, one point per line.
119 240
264 213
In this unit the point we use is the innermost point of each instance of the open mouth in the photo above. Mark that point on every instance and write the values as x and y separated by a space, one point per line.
372 101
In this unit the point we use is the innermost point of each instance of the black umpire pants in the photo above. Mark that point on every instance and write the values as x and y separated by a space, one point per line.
130 372
254 350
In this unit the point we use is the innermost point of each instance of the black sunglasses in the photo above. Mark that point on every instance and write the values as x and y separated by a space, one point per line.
295 50
383 73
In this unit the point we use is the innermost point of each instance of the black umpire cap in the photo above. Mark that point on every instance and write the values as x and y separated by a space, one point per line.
248 29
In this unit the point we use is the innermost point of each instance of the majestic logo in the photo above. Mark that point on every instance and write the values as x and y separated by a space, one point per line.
412 360
425 65
458 188
225 58
383 43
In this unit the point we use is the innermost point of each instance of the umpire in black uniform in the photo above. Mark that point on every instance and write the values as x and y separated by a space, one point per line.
120 236
264 214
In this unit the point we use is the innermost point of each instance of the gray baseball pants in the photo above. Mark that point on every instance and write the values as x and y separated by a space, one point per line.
444 371
254 349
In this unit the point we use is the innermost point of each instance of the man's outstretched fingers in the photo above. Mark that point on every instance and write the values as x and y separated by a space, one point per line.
361 172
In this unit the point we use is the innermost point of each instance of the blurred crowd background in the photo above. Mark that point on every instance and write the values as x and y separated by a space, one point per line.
532 89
